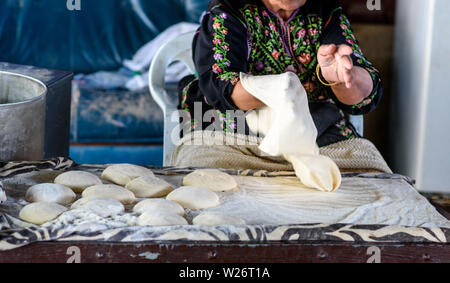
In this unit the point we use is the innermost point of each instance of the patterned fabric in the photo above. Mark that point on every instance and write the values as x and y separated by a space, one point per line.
246 36
11 237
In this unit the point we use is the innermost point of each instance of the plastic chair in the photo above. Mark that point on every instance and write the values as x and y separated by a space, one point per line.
180 49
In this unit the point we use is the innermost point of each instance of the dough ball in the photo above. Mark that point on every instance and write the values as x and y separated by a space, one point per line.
151 218
103 207
50 193
78 181
41 212
194 198
122 174
216 219
213 179
110 191
149 187
161 205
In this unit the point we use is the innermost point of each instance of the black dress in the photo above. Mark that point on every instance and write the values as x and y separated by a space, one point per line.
245 36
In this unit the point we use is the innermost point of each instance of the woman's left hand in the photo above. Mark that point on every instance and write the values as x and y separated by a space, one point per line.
336 64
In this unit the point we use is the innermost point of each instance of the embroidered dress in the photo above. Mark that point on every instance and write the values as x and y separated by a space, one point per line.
245 36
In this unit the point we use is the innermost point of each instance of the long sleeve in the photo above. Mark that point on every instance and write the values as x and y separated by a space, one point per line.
338 31
220 54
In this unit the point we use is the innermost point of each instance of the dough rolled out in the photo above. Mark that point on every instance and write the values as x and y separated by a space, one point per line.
289 128
112 192
78 181
213 179
217 219
41 212
122 174
161 205
50 193
194 198
103 207
149 187
151 218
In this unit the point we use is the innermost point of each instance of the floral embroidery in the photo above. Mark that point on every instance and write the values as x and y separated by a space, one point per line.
221 50
275 46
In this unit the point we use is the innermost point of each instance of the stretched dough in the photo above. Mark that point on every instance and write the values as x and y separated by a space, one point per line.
78 181
194 198
110 191
103 207
161 205
122 174
50 193
213 179
41 212
289 128
217 219
151 218
149 187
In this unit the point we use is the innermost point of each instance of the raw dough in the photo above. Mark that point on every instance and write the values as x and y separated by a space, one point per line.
122 174
194 198
289 128
149 187
161 205
103 207
213 179
41 212
50 193
110 191
78 181
217 219
151 218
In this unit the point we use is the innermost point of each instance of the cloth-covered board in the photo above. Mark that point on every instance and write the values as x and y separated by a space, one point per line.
369 207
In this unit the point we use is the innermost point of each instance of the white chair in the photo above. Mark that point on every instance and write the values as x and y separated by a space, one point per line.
180 49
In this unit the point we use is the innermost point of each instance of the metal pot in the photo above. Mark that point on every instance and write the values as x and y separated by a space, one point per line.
22 117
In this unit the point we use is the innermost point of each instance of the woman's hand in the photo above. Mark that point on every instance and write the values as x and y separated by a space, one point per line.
336 64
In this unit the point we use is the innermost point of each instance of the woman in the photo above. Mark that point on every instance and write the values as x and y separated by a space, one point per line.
311 38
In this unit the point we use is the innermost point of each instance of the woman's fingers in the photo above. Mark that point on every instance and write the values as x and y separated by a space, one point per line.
344 50
345 61
345 69
326 55
327 49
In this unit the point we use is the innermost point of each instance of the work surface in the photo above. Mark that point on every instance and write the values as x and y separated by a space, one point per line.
369 209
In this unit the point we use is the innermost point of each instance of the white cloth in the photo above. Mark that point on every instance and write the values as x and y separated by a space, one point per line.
289 129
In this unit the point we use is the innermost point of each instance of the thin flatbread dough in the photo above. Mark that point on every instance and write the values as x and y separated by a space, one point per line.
289 129
217 219
194 198
213 179
149 187
41 212
110 191
161 205
50 193
103 207
78 181
122 174
151 218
